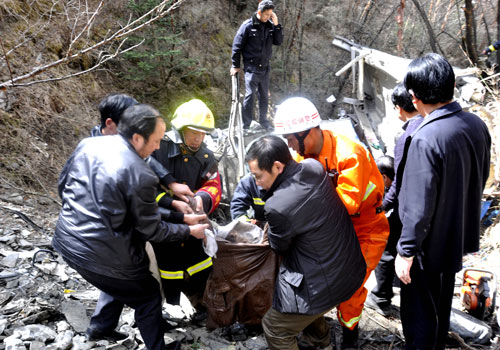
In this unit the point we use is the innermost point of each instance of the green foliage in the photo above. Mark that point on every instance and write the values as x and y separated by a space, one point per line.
161 55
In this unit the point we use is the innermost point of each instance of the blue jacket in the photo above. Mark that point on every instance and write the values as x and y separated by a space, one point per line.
390 198
309 226
247 194
254 40
444 171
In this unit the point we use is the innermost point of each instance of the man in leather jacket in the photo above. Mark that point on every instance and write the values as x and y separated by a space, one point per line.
111 109
109 212
310 228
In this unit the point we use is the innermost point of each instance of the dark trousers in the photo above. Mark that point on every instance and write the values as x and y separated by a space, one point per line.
256 82
281 330
425 308
142 295
385 272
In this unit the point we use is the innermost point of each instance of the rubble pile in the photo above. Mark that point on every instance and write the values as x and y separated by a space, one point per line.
44 304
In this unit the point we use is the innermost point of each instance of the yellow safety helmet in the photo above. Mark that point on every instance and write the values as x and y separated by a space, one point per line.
194 115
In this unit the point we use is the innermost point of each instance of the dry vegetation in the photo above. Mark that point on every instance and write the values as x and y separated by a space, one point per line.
41 123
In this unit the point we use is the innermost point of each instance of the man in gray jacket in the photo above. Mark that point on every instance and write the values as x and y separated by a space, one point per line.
322 262
109 212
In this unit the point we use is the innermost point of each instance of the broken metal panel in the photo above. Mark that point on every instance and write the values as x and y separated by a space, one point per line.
378 74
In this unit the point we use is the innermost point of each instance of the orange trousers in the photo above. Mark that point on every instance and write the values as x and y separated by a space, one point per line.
372 232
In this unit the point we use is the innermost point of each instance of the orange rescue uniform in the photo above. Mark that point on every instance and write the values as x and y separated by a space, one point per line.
361 187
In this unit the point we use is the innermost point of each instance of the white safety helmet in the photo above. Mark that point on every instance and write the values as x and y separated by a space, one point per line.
294 115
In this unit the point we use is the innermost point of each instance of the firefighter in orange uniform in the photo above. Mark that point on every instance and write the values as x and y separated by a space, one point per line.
191 167
359 184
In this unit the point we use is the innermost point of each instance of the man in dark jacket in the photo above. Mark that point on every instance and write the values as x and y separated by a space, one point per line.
322 262
109 212
380 298
444 170
254 41
248 195
111 109
184 266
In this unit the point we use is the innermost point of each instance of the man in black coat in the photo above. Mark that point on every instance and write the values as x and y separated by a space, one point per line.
254 41
380 298
310 228
445 166
108 213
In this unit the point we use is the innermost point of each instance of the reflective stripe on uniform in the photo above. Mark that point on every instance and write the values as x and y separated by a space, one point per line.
369 189
172 275
258 201
351 322
492 48
205 264
158 197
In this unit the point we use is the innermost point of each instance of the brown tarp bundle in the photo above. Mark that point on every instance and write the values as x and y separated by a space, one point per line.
241 285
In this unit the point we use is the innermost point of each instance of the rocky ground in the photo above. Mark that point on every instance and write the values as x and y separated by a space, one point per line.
46 305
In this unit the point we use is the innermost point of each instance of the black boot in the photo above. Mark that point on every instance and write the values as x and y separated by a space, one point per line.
350 338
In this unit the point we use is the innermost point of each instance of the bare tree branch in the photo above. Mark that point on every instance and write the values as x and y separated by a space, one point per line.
100 62
151 16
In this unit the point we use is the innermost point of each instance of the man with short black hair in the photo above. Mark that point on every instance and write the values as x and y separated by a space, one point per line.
111 108
108 213
380 298
254 41
322 264
441 178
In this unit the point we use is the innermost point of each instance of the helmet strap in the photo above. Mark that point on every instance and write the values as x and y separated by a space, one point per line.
185 146
301 139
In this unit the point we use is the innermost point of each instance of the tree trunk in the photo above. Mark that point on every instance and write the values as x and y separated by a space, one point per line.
430 31
470 43
498 29
400 22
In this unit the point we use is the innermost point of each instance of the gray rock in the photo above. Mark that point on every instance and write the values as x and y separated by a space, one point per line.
80 343
25 244
13 306
64 340
36 332
11 284
14 343
3 324
76 315
256 343
62 326
10 260
7 238
37 345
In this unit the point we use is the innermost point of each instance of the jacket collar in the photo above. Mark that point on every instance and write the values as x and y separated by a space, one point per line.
290 169
126 142
439 113
411 121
